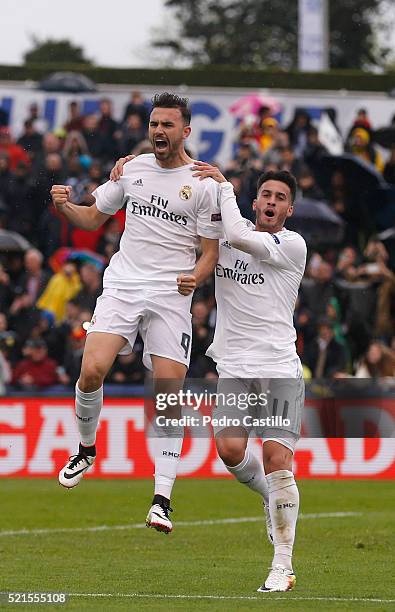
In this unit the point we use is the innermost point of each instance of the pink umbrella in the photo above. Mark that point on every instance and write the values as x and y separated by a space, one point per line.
250 105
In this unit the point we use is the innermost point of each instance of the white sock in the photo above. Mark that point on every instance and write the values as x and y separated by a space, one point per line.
250 473
284 508
87 410
167 458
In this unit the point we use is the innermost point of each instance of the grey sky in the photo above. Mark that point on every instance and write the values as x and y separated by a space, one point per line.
111 33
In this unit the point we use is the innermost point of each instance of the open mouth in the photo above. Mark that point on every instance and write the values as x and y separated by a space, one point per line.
160 144
269 213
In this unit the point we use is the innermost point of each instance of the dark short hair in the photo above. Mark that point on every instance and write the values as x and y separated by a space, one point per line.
169 100
279 175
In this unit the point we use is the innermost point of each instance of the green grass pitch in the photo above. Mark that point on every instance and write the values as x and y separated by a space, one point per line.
341 562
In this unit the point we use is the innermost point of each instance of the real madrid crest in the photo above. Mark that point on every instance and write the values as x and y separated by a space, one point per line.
185 192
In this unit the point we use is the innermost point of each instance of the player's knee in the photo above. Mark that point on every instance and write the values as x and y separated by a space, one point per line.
278 460
231 451
92 376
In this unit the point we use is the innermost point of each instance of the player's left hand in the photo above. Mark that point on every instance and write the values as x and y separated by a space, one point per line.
204 170
117 170
186 283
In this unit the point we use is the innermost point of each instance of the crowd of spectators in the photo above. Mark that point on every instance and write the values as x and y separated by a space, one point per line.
345 314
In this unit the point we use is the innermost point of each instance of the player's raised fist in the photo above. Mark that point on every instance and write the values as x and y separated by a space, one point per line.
60 194
117 170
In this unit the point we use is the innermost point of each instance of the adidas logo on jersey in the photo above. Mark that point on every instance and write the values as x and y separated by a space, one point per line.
138 182
226 244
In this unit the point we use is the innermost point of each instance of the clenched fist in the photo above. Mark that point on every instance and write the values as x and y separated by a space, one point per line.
186 283
60 194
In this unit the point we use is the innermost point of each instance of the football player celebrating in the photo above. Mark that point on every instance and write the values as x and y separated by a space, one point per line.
148 284
257 278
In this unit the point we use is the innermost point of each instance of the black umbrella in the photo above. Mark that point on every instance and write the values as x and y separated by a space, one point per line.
73 82
12 242
361 177
316 222
385 137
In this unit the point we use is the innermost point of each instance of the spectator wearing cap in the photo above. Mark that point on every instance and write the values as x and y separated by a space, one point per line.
325 356
269 134
361 121
36 370
359 144
15 152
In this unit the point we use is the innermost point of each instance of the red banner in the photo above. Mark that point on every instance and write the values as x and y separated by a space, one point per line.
38 435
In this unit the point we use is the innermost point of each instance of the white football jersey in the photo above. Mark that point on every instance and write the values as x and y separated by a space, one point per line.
256 299
166 211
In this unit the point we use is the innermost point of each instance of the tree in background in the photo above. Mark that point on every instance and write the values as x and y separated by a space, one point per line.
55 52
264 33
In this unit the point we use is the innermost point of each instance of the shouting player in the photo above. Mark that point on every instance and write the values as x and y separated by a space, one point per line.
148 284
258 275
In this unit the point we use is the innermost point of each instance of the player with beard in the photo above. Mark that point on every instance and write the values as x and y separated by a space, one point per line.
258 275
148 284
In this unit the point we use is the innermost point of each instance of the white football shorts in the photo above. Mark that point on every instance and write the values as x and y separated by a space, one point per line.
261 393
162 317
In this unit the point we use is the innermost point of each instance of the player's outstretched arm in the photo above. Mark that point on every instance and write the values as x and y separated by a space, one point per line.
237 232
85 217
